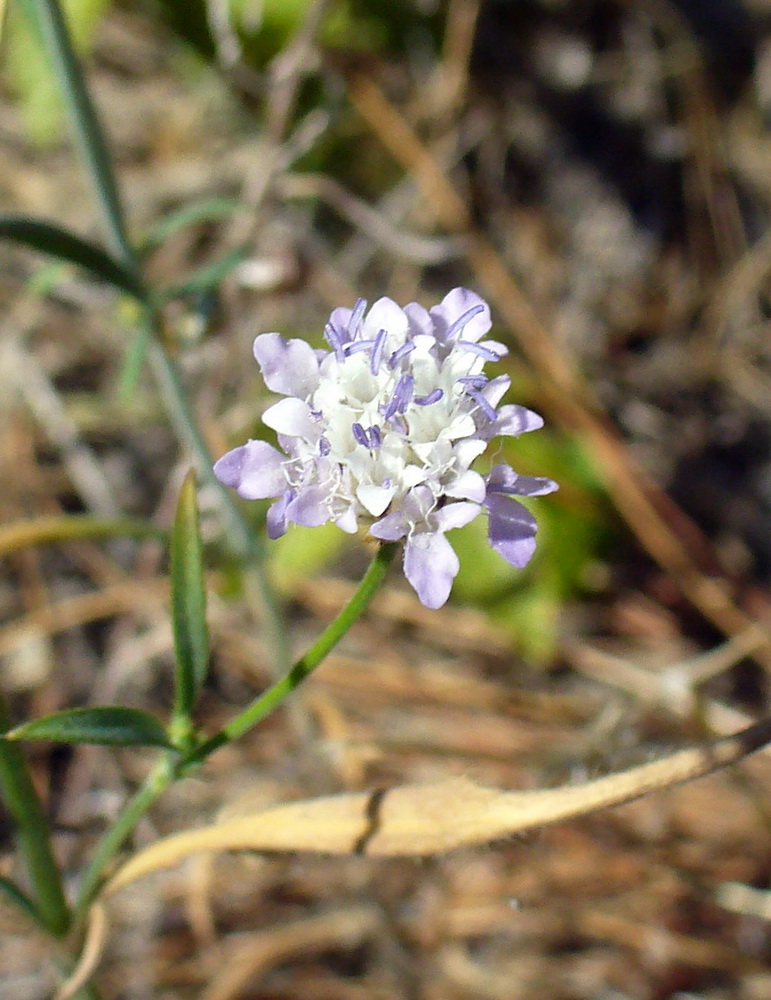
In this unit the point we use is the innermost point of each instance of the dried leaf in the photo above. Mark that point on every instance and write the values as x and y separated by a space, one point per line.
416 820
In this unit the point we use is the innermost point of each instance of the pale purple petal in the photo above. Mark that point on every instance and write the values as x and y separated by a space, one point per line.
455 515
468 486
512 421
276 521
511 531
385 314
339 320
453 306
496 389
501 350
503 479
255 470
310 507
288 366
420 319
291 416
430 565
390 528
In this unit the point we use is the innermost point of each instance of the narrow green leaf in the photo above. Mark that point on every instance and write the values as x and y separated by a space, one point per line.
205 210
17 898
48 238
109 725
207 278
188 600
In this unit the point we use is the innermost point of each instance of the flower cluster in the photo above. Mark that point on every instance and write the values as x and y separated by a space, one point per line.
382 429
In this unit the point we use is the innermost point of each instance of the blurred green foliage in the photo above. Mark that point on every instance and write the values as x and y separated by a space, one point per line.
26 68
573 536
263 28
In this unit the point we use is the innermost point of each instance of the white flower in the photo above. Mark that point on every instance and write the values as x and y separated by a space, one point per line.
383 429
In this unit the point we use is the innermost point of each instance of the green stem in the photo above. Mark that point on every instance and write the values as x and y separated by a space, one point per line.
329 638
32 834
244 542
155 784
91 142
170 767
89 134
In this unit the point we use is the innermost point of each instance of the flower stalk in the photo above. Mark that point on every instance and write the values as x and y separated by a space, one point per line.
174 765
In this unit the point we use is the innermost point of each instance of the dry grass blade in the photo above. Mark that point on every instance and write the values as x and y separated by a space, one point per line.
255 954
421 820
93 947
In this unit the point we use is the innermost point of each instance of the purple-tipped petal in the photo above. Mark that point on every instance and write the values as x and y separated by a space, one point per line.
511 530
289 367
255 470
430 565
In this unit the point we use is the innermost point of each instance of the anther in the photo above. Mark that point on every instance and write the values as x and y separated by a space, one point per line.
433 397
482 352
354 324
461 321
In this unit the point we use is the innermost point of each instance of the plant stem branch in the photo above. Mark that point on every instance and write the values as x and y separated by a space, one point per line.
171 767
162 775
329 638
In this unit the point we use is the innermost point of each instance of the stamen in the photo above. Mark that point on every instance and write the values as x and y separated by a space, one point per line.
334 340
401 397
370 439
433 397
483 404
324 447
354 324
355 348
473 381
482 352
360 435
377 352
399 354
461 321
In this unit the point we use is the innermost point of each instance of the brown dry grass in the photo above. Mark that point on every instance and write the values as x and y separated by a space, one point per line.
648 346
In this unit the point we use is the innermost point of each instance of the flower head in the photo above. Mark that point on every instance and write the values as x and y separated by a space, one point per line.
382 430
